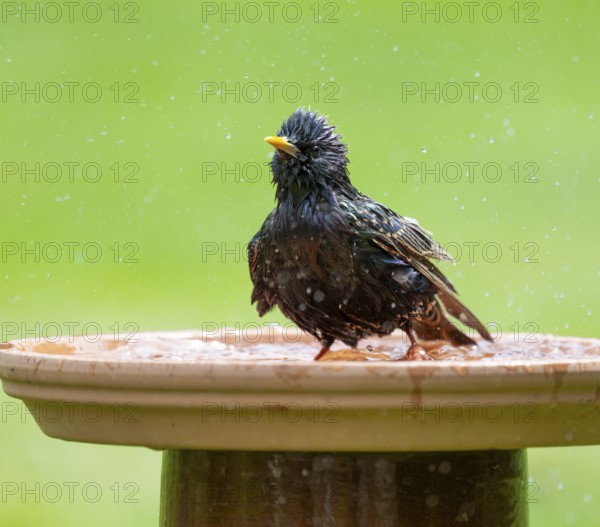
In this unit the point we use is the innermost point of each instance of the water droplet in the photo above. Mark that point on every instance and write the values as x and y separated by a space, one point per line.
491 140
445 467
431 501
228 136
423 149
477 74
395 49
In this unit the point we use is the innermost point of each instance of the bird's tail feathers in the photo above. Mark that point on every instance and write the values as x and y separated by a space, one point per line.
462 313
436 326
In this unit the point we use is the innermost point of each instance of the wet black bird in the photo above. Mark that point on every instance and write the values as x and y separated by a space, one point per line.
340 265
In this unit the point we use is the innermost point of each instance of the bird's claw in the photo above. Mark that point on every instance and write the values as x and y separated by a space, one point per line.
416 352
324 351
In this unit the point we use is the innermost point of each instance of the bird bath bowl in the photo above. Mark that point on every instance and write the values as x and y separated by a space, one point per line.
257 433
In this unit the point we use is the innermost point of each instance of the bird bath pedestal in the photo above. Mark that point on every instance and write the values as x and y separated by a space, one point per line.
256 433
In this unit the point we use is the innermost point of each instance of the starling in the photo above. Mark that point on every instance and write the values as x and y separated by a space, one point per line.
340 265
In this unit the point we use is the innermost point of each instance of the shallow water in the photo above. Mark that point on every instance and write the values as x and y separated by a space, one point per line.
196 347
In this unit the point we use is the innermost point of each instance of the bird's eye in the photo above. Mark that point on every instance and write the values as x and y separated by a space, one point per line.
316 150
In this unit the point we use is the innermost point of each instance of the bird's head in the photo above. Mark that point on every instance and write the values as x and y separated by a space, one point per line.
309 153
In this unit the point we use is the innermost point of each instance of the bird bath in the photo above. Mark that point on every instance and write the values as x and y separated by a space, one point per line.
256 433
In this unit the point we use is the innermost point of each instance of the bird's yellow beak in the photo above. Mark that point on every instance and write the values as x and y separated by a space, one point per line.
281 143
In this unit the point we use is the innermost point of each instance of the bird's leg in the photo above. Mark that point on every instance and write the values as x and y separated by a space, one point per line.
415 351
326 344
323 351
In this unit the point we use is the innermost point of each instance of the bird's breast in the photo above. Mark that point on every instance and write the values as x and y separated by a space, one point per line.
308 242
308 228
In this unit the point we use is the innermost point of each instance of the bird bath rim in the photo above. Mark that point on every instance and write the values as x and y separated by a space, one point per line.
344 406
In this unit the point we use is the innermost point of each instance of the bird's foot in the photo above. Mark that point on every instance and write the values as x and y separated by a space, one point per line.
324 351
416 352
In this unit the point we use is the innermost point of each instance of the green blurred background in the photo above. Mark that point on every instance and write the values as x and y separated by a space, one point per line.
172 224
